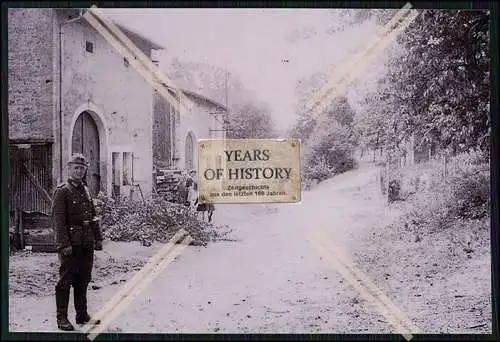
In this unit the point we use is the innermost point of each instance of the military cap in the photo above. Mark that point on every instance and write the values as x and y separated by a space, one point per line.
78 158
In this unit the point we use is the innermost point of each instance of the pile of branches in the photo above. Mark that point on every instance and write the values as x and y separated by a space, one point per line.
154 220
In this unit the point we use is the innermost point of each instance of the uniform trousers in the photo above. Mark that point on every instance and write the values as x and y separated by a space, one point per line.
76 271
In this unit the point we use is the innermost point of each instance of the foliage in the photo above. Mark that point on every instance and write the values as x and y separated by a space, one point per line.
248 117
439 200
250 121
303 128
153 220
357 16
318 169
437 88
373 121
329 140
335 147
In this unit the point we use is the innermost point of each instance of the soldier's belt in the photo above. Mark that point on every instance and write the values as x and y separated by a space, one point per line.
85 223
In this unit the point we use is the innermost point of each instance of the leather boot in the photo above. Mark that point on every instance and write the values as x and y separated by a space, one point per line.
80 301
62 301
84 319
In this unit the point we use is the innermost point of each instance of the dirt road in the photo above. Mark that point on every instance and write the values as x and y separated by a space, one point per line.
270 281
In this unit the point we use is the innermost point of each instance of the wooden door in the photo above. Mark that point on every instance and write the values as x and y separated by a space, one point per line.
85 140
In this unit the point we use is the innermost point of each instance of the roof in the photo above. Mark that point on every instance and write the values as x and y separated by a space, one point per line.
204 98
154 45
128 31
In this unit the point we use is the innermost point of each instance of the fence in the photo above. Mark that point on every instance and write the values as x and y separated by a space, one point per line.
30 186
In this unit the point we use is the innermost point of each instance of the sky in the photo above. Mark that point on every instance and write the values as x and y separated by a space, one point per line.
269 50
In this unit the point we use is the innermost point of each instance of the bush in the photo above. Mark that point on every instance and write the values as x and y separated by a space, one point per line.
440 201
318 169
328 155
154 220
471 193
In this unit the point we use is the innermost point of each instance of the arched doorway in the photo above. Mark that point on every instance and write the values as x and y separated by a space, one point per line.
85 139
189 156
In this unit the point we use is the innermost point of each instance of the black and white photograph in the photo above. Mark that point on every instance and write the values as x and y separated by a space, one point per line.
389 230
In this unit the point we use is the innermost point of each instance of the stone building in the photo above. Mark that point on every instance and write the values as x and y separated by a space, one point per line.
71 91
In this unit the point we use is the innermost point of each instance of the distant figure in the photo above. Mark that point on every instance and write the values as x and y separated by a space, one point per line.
191 189
192 198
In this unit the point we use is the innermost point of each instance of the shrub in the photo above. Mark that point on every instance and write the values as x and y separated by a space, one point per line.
329 154
154 220
336 150
470 190
413 179
318 169
440 201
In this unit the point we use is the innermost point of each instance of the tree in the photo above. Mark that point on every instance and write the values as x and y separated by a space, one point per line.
328 139
250 121
338 112
377 120
439 87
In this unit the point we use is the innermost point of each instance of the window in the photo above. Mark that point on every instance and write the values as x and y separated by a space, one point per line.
89 47
115 178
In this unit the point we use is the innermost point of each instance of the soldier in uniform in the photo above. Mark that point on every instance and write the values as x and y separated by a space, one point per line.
77 234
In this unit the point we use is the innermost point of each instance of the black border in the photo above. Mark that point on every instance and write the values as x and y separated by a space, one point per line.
491 5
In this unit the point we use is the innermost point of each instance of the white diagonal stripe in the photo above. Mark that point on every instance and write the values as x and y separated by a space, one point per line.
142 57
338 76
364 285
143 284
341 87
160 255
367 282
133 61
344 272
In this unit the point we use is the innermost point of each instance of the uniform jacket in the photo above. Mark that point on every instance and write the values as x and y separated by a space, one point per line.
73 215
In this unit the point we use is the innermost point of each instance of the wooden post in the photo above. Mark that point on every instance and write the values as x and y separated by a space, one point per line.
21 230
17 236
